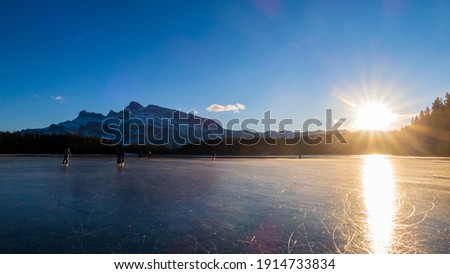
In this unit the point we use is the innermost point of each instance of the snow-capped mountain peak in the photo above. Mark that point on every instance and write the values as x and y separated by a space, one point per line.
154 124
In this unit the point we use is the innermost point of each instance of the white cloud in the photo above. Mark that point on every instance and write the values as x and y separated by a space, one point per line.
221 108
58 99
240 106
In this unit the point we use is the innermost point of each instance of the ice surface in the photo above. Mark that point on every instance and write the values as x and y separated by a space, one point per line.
165 205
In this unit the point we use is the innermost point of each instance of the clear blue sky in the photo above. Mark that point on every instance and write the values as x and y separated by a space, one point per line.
296 58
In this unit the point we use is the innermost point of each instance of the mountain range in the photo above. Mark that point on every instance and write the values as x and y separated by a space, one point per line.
136 124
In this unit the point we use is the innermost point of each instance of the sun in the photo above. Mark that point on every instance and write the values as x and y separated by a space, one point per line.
374 116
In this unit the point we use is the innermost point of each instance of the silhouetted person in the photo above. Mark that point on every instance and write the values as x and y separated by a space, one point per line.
140 154
213 155
149 154
120 155
66 155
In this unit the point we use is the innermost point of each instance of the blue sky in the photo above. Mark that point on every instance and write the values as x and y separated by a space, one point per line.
296 58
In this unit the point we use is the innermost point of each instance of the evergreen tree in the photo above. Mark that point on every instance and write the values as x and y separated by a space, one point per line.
439 115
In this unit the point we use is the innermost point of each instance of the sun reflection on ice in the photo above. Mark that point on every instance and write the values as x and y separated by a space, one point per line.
379 197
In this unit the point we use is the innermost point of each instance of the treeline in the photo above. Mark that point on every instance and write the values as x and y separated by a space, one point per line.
400 142
413 140
429 131
34 143
438 117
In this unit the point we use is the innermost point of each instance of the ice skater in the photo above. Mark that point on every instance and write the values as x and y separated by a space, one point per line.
120 155
66 155
213 155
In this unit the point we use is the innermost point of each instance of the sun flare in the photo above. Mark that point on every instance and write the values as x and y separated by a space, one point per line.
374 116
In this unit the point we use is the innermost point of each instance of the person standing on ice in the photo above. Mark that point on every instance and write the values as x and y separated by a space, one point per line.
66 155
120 155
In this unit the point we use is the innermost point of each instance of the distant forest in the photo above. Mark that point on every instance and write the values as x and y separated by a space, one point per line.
428 135
34 143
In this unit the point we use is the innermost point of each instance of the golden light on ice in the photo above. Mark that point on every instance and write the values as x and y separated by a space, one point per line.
374 116
379 198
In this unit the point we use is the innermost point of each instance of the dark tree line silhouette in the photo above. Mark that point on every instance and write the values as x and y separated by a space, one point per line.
34 143
437 117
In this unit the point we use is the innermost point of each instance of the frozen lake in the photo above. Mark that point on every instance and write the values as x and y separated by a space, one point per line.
361 204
